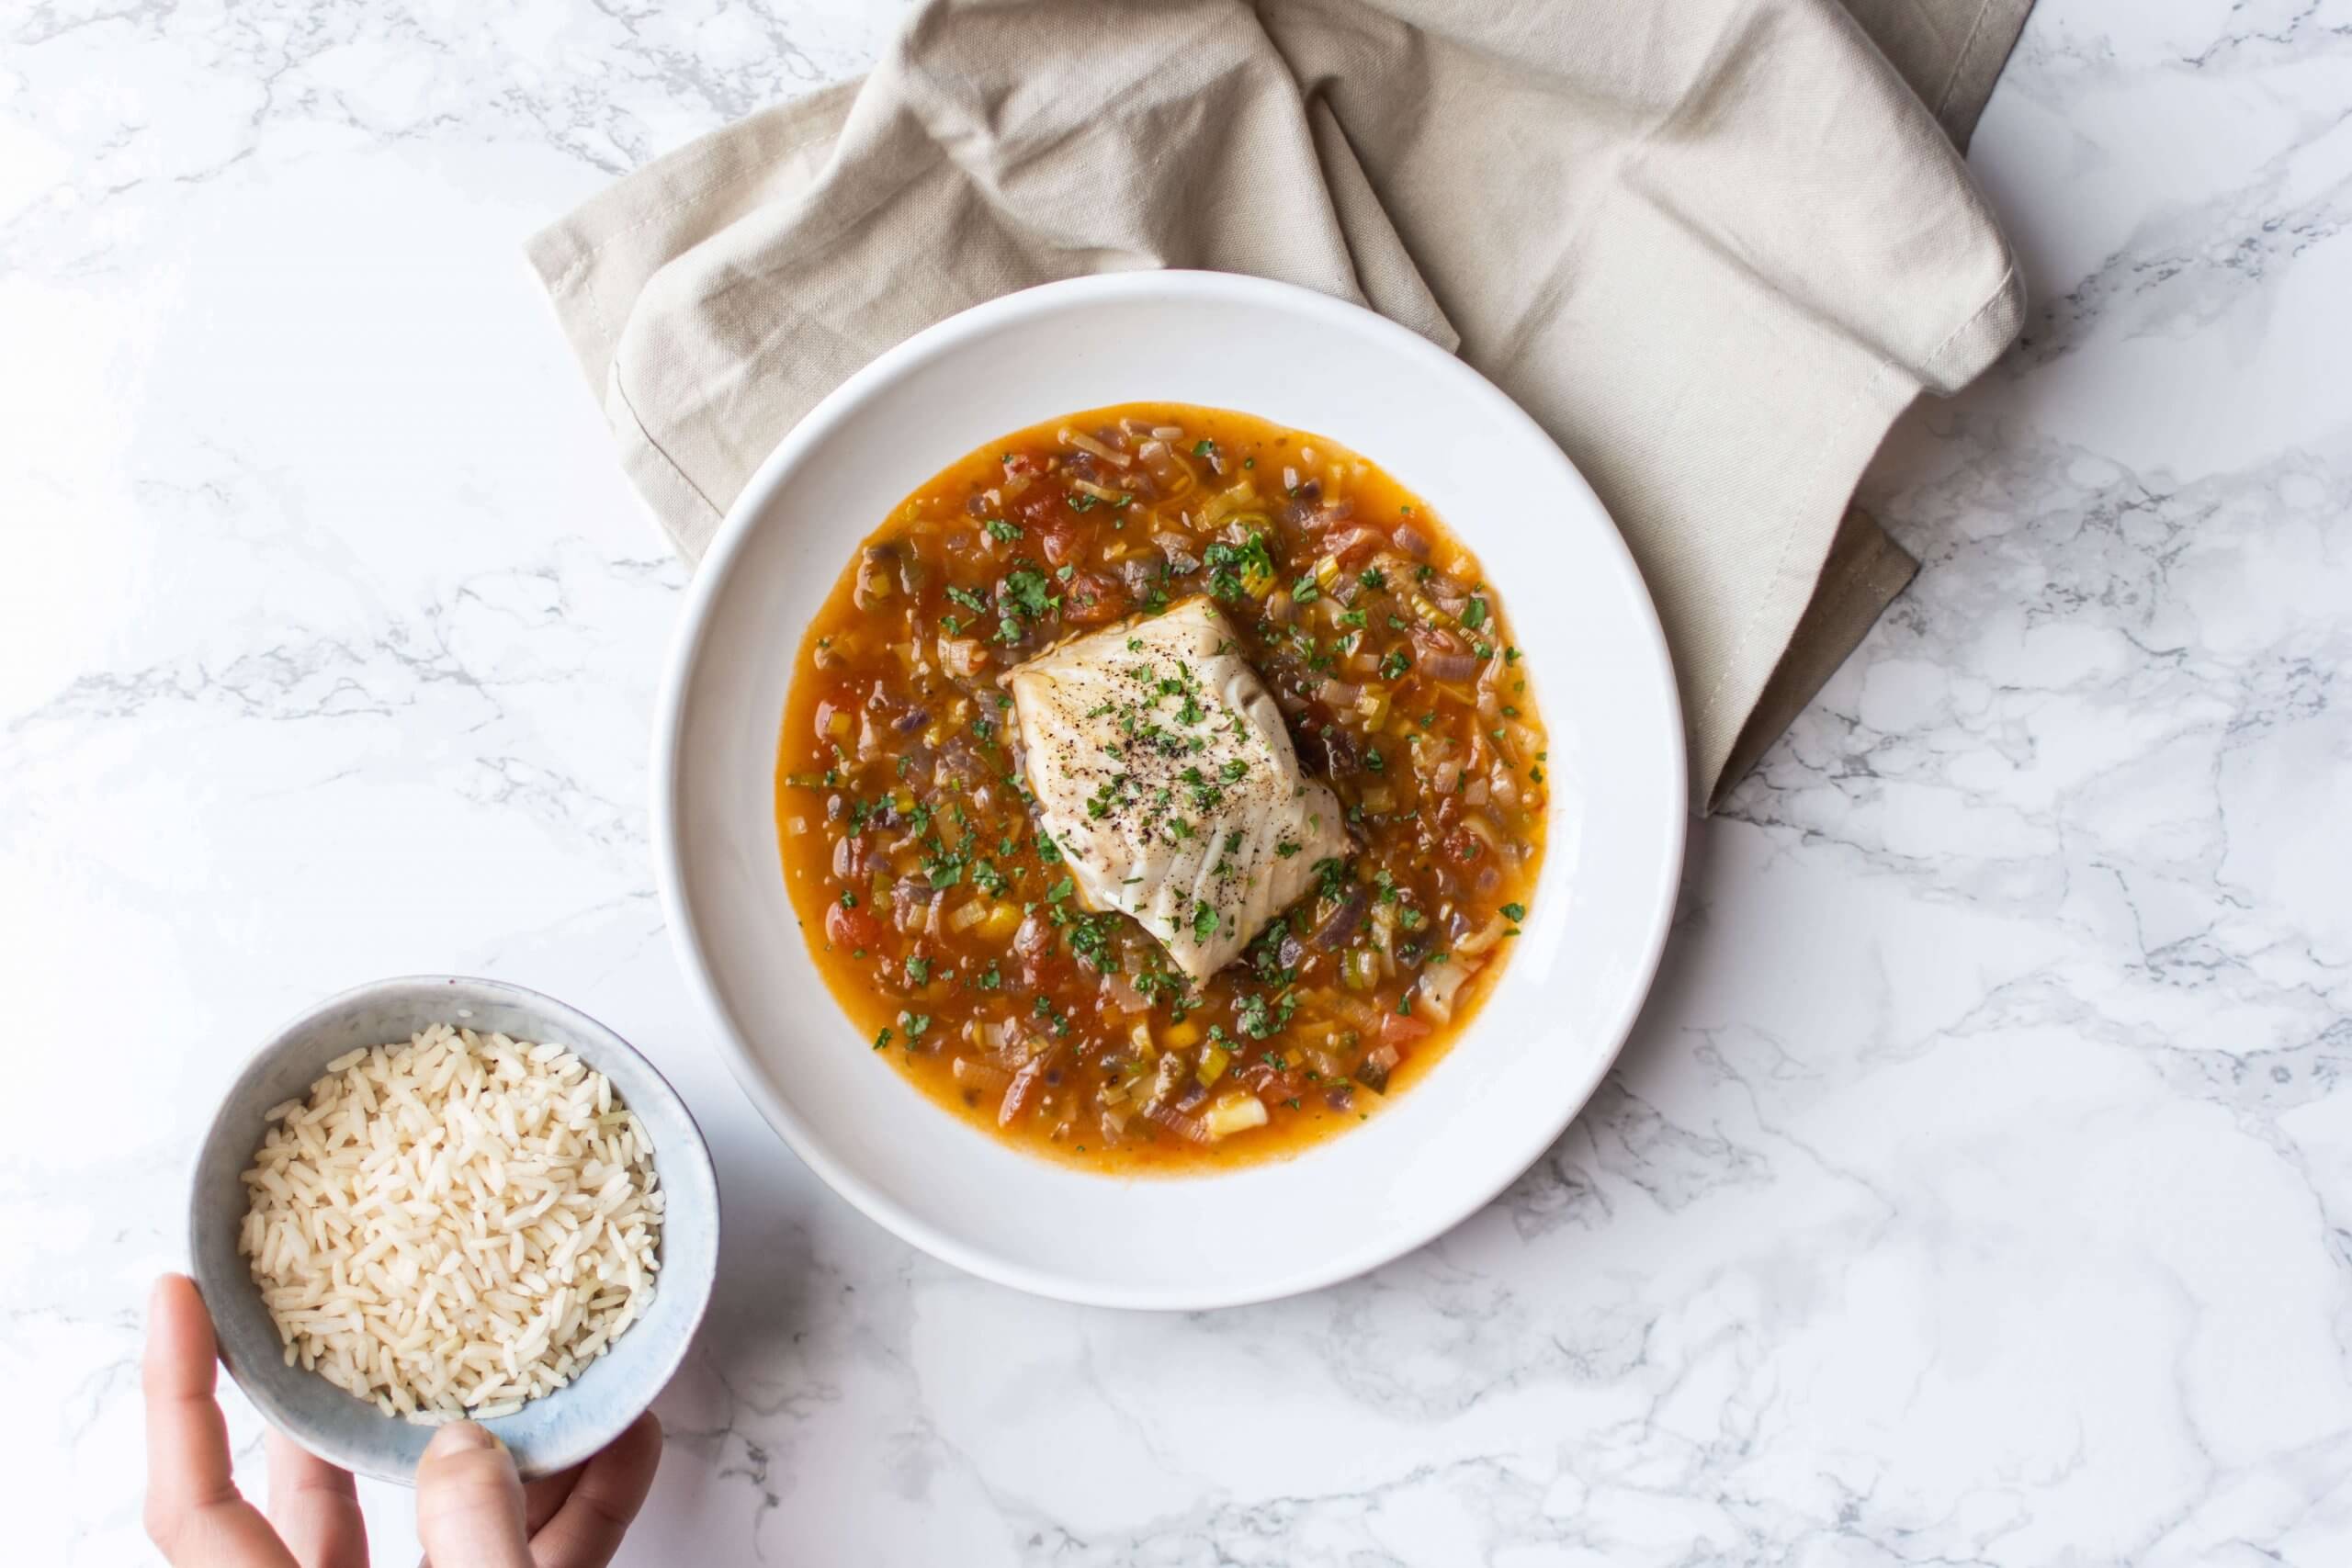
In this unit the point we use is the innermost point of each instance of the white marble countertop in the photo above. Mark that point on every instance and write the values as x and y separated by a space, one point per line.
1976 1189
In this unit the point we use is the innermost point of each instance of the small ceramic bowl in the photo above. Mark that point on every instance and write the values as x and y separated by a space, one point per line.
551 1433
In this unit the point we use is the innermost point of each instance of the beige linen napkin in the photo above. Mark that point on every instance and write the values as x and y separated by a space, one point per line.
1714 247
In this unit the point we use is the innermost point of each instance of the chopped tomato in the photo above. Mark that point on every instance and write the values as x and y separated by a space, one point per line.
1401 1028
1061 543
851 929
1090 600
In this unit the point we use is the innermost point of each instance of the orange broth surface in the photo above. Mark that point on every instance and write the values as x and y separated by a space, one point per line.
946 925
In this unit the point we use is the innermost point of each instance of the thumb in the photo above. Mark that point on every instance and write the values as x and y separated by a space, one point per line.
469 1501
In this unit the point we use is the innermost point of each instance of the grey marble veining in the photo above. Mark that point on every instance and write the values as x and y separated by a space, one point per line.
1976 1187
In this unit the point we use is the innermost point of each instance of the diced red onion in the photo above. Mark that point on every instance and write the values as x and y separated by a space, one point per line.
1440 666
1176 1122
1178 548
1016 1094
1333 933
1086 443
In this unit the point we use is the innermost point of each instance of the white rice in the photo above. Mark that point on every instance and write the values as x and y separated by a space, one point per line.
454 1225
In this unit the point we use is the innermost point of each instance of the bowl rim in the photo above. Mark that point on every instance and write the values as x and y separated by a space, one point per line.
600 1040
735 530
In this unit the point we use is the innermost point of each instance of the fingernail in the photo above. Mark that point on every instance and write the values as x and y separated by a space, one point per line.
461 1437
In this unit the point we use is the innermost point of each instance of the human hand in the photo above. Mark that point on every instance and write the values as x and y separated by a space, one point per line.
472 1511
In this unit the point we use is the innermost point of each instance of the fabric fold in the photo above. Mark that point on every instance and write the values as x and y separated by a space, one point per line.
1714 248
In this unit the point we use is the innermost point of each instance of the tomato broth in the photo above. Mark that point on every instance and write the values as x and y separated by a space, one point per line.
947 925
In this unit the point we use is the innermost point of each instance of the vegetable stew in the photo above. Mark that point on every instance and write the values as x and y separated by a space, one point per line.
948 923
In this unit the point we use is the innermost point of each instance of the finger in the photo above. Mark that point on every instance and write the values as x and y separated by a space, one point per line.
587 1529
469 1501
194 1513
315 1507
542 1497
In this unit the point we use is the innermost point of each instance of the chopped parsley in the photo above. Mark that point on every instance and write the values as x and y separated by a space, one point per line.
1231 565
999 529
1091 939
1027 592
1259 1021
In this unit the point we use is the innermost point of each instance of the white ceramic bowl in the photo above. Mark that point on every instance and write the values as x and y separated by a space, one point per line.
1598 665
